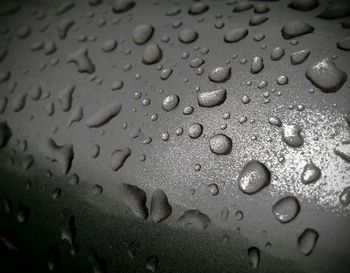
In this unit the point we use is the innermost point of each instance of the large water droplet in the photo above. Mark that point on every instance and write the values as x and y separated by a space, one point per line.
298 57
344 43
307 241
195 130
291 135
326 76
220 74
194 218
188 36
123 5
303 5
220 144
160 207
296 28
119 157
286 209
62 154
152 54
235 35
103 115
335 11
253 177
142 33
170 102
198 8
135 199
212 98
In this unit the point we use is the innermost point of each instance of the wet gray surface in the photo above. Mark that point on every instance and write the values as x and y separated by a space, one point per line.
125 127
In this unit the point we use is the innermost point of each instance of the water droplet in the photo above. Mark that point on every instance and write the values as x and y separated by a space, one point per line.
119 157
197 167
310 174
296 28
196 62
291 135
142 33
27 162
62 154
344 43
188 110
326 76
123 5
282 80
286 209
22 214
220 74
188 36
195 130
307 241
160 207
298 57
245 99
257 20
253 177
170 102
335 11
220 144
5 134
242 6
64 7
343 150
135 199
212 98
109 45
254 257
303 5
76 115
152 54
261 8
194 218
257 65
82 60
56 193
165 73
235 35
344 197
239 215
63 26
198 8
65 97
19 102
103 115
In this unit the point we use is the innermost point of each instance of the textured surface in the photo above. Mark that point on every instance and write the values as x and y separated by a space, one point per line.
175 136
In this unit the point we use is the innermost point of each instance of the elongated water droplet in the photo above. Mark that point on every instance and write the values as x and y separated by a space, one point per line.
307 241
212 98
160 207
119 157
135 199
